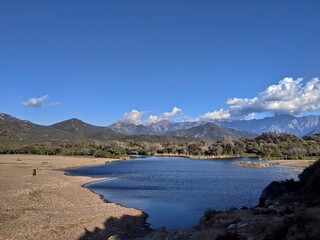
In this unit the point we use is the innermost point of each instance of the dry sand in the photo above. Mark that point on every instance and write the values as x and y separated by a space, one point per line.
292 163
52 205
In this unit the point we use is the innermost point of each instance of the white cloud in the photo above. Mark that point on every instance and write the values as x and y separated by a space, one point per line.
165 115
53 104
153 118
134 116
216 115
289 96
35 102
173 112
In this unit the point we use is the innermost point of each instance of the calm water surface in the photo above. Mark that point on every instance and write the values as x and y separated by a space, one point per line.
175 192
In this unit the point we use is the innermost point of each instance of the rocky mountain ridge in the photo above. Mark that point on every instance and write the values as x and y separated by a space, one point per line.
299 126
14 130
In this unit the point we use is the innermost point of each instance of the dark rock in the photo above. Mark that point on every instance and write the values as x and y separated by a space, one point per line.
288 211
276 189
231 236
232 226
232 209
264 211
208 215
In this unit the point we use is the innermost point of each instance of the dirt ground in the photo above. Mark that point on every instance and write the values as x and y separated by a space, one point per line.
292 163
52 205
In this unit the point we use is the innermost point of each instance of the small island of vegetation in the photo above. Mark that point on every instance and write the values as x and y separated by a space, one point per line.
252 164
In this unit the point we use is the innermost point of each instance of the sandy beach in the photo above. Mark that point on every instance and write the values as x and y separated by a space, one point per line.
292 163
52 205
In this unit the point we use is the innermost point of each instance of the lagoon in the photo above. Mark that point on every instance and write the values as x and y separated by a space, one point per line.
175 192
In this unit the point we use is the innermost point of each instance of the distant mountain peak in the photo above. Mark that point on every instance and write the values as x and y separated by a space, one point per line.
162 121
72 123
75 120
211 131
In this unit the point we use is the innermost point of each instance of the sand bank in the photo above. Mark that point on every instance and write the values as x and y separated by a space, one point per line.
291 163
52 205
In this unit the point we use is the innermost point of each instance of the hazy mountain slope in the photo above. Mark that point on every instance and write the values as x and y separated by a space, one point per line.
24 132
85 130
8 118
299 126
159 138
128 128
211 131
314 132
157 128
14 131
164 126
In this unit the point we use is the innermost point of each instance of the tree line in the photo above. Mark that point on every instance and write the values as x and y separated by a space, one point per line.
267 146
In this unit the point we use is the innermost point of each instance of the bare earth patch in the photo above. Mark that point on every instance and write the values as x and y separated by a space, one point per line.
292 163
52 205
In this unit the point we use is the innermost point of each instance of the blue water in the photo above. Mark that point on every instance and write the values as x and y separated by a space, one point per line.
175 192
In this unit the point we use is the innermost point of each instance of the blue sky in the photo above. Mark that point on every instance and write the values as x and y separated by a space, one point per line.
99 60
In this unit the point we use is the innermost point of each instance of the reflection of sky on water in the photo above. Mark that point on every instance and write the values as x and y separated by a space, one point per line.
176 191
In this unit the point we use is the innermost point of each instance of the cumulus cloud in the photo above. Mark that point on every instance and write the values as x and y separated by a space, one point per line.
165 115
216 115
289 96
173 112
134 116
153 118
35 102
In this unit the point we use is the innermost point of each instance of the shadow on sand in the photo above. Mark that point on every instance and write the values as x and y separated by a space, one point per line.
127 227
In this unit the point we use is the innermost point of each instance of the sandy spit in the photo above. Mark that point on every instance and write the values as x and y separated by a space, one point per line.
52 205
291 163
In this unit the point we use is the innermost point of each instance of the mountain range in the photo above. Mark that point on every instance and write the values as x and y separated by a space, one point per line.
158 128
16 131
299 126
211 131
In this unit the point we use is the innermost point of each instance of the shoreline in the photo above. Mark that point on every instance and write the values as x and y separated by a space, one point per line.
201 156
299 163
291 163
54 205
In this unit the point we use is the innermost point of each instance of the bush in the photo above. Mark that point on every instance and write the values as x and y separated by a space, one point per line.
310 178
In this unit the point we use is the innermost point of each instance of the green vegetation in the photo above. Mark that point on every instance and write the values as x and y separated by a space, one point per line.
267 146
251 164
